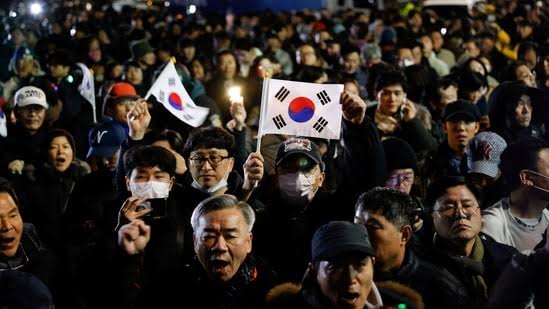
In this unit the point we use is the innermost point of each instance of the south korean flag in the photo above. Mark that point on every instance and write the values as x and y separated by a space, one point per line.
302 109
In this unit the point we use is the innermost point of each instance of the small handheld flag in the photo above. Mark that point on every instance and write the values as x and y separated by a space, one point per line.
302 109
169 91
87 87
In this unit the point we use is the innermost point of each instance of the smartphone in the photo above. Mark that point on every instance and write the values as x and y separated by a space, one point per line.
159 208
402 109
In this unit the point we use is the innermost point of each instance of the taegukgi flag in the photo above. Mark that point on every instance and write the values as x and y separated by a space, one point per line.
303 109
87 88
169 91
3 124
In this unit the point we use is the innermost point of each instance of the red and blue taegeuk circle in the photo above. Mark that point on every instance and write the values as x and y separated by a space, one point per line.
175 101
301 109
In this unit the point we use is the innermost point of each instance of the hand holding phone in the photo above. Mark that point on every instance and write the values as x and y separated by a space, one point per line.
158 206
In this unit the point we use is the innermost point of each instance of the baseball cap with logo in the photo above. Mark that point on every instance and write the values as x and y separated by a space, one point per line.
298 145
30 95
105 139
338 237
486 148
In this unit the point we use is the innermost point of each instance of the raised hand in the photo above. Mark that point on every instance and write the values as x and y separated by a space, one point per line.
134 236
238 113
253 170
139 119
353 107
409 110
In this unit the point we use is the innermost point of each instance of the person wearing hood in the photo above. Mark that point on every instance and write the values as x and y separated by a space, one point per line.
517 111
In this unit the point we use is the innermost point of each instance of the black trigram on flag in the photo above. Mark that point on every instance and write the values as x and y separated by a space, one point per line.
282 94
188 117
161 96
171 81
320 124
323 97
279 122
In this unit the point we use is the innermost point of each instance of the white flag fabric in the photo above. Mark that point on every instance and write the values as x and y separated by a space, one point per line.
87 88
302 109
3 124
169 91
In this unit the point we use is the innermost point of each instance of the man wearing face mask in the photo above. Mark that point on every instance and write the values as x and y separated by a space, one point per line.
295 203
520 219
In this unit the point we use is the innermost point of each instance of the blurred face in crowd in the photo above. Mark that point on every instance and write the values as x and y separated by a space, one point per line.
388 240
197 70
189 52
478 67
525 31
540 177
59 71
222 241
416 21
164 56
346 280
60 153
305 55
427 45
227 66
456 215
524 74
531 58
437 40
401 180
266 66
447 95
94 50
486 45
209 166
460 132
390 99
273 43
471 49
121 109
11 225
149 59
351 62
105 163
523 111
405 57
31 117
116 72
417 54
134 75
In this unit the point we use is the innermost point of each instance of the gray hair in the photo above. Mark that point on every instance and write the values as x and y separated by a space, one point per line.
225 201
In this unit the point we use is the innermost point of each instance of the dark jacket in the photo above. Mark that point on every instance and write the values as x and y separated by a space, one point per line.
495 257
20 145
437 286
288 249
446 163
525 276
190 287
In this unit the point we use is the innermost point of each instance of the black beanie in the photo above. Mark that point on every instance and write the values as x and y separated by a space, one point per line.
399 154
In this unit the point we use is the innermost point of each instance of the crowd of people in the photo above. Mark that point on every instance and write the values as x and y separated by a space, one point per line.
435 196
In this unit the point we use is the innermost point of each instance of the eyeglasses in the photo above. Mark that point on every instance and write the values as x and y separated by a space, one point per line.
400 179
214 160
449 210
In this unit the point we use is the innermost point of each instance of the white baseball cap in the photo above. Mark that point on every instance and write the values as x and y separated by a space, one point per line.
30 95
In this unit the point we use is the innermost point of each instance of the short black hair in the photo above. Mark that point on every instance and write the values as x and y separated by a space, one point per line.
518 156
172 137
209 137
149 156
5 186
438 188
61 57
390 78
397 207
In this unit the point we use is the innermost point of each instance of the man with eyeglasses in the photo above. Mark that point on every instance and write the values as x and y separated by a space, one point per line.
473 258
520 219
118 103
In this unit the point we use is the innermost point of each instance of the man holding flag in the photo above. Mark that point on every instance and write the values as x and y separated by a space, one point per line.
295 203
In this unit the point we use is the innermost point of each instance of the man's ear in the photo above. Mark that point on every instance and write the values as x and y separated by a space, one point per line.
407 233
195 244
444 127
321 178
525 178
127 179
172 182
477 127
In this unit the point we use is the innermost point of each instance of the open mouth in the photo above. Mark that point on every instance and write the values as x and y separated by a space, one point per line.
60 160
218 265
349 296
7 242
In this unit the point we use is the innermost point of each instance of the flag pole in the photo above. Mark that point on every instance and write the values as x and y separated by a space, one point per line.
264 94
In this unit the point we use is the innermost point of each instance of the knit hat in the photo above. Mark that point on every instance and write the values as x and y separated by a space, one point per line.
140 49
337 237
399 154
486 148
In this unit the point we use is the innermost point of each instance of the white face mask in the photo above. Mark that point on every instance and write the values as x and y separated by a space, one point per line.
537 187
222 184
150 189
297 188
